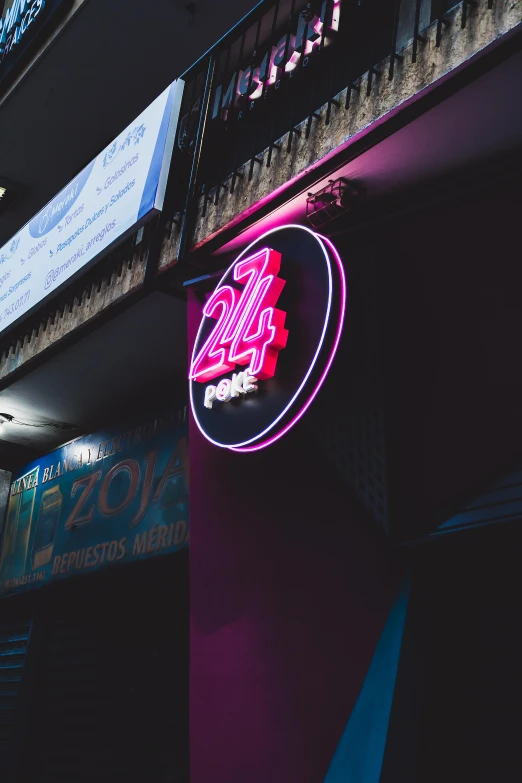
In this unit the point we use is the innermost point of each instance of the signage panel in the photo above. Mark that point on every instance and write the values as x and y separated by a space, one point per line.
104 499
22 23
267 338
120 189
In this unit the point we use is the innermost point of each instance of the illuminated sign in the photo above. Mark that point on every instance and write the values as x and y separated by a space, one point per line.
312 28
16 23
22 22
114 497
268 335
249 329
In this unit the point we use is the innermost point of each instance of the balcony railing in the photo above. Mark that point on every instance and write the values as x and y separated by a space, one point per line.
272 72
284 69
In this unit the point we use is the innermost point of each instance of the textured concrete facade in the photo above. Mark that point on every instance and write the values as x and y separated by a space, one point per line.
484 26
93 299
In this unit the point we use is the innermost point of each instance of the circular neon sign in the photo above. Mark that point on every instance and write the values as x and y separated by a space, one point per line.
268 336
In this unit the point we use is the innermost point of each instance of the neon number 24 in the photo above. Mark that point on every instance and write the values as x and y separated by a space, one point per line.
250 329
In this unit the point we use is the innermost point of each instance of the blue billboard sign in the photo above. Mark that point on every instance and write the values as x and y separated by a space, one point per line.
114 497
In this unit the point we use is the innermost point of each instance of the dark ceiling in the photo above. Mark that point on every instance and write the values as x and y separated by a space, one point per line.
103 379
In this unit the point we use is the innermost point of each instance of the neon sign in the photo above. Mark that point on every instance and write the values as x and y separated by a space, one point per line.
286 350
249 330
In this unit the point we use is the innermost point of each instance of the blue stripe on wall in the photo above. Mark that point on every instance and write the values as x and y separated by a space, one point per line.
500 502
360 753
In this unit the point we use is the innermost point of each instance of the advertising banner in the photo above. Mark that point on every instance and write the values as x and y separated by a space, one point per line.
104 499
119 190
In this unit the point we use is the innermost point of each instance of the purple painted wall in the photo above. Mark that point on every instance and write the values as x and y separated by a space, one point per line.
289 595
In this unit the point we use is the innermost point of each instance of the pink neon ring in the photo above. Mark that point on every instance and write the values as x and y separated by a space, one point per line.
258 446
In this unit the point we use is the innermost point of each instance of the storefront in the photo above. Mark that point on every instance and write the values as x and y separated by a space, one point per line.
94 610
327 254
344 654
94 634
361 626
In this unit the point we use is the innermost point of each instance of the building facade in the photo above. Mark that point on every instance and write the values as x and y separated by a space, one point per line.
318 288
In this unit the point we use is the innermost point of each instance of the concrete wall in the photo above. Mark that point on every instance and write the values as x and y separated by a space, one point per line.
484 27
289 595
85 302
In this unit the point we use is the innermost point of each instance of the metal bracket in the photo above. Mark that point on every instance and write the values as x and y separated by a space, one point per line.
237 174
313 116
291 133
271 148
331 102
221 186
352 86
259 161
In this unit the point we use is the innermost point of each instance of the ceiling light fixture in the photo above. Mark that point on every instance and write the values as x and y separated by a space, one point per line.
6 418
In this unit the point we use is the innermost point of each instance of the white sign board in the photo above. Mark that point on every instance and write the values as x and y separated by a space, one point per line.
121 188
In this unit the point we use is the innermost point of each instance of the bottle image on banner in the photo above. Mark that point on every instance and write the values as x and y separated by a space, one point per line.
20 526
46 526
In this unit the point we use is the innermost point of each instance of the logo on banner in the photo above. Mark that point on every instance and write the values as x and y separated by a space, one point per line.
130 139
247 354
57 209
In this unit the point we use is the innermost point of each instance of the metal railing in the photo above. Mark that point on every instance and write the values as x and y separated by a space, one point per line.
273 71
224 137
